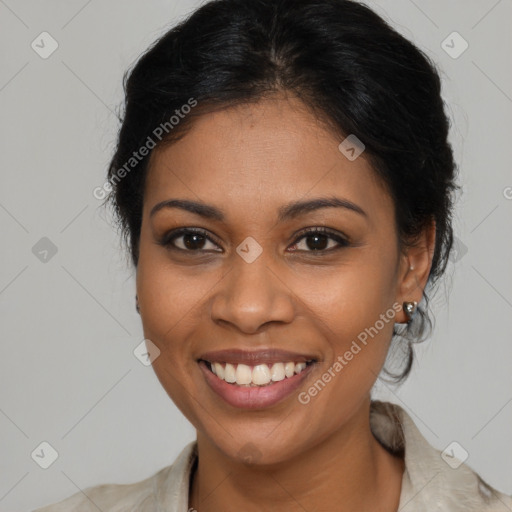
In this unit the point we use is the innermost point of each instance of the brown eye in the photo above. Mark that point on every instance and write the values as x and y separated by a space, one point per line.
190 240
317 240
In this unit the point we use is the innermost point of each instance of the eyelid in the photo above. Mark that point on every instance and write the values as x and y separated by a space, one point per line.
324 231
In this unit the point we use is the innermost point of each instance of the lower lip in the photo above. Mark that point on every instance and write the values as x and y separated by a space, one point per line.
254 397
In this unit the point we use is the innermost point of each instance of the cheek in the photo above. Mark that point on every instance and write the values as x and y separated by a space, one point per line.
170 302
174 309
355 316
168 292
354 304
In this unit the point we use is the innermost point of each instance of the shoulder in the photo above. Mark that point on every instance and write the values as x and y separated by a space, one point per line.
433 480
165 488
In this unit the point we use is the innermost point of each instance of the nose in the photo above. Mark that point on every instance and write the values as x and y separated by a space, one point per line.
252 295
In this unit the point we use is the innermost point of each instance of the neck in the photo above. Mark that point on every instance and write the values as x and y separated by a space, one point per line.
347 471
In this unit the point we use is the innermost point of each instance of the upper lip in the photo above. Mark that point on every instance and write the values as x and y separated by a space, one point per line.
255 357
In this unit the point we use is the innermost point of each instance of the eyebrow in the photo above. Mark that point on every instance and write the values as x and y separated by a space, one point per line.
286 212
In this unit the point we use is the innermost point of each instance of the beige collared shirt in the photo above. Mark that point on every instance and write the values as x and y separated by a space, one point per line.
430 483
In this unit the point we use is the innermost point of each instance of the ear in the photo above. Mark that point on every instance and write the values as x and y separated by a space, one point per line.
414 268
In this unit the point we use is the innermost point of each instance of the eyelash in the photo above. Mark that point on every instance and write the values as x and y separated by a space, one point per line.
168 239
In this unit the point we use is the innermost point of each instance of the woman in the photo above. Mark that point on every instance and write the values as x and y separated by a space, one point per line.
284 182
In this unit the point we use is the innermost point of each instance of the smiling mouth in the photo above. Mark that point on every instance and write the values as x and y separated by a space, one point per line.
260 375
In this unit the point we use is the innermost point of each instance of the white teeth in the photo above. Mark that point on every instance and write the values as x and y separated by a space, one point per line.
299 367
218 370
259 375
289 369
229 373
277 372
243 374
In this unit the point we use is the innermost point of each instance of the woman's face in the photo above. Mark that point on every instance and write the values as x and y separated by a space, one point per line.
258 283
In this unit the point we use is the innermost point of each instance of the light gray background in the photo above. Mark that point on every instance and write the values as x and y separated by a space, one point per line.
68 375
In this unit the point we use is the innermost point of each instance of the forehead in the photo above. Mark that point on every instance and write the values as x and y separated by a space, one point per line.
261 154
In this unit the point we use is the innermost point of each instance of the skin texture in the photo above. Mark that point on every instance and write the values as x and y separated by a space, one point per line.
248 161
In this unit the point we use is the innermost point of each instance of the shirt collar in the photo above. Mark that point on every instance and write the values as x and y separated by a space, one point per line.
427 480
